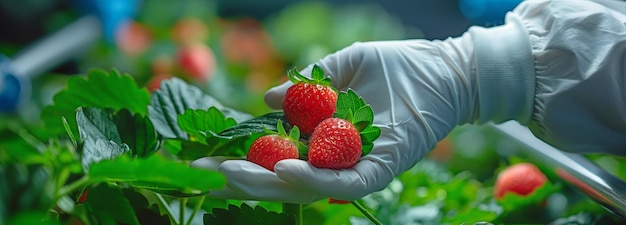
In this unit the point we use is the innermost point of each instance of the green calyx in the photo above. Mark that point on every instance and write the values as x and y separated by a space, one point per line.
317 77
353 108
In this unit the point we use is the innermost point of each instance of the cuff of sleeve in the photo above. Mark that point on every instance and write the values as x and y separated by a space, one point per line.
505 71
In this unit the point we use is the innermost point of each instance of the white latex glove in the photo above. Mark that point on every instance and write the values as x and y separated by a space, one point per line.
419 91
543 68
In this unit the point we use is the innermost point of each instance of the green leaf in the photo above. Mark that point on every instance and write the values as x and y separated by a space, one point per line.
317 73
254 125
193 150
15 148
101 89
236 140
353 108
110 206
137 132
96 123
157 173
363 117
101 139
24 188
173 98
510 202
198 123
347 102
370 134
247 215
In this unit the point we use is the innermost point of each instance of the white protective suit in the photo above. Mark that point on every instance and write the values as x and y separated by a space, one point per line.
557 66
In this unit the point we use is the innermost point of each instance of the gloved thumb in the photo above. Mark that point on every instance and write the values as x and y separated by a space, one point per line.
274 96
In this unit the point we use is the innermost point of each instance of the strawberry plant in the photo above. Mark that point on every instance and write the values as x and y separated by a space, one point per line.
110 152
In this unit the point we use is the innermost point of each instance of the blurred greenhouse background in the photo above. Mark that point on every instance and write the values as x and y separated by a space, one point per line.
235 50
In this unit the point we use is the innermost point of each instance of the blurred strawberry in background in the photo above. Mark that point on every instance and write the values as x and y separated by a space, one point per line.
188 30
196 60
133 38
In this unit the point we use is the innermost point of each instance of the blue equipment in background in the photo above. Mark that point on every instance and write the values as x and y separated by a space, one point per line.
487 12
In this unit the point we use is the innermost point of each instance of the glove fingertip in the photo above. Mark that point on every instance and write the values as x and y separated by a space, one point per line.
274 96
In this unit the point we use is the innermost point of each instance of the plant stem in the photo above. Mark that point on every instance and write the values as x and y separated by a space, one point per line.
294 209
181 206
167 207
73 186
195 210
366 213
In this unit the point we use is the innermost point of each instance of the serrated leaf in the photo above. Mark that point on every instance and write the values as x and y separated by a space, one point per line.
96 150
317 73
173 98
347 102
235 140
156 173
198 123
96 123
101 139
100 89
137 132
109 206
363 117
254 125
247 215
370 134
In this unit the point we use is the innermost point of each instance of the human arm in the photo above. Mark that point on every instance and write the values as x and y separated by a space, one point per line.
556 66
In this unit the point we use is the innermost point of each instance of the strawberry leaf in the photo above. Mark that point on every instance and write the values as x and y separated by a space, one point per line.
110 204
173 98
317 73
239 137
252 126
348 102
353 108
247 215
137 132
294 134
101 139
198 123
156 173
100 89
511 202
363 117
317 76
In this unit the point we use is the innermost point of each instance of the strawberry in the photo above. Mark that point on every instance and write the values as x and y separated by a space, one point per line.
335 144
521 179
309 101
267 150
197 60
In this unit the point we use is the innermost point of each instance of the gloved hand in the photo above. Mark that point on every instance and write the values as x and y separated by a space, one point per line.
419 91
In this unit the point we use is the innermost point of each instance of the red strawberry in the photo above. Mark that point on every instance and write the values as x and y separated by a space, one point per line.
309 101
197 60
267 150
521 179
335 144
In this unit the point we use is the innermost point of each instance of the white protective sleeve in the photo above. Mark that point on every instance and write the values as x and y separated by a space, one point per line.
559 67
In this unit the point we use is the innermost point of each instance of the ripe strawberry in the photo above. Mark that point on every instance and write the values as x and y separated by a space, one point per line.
267 150
309 101
521 179
335 144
